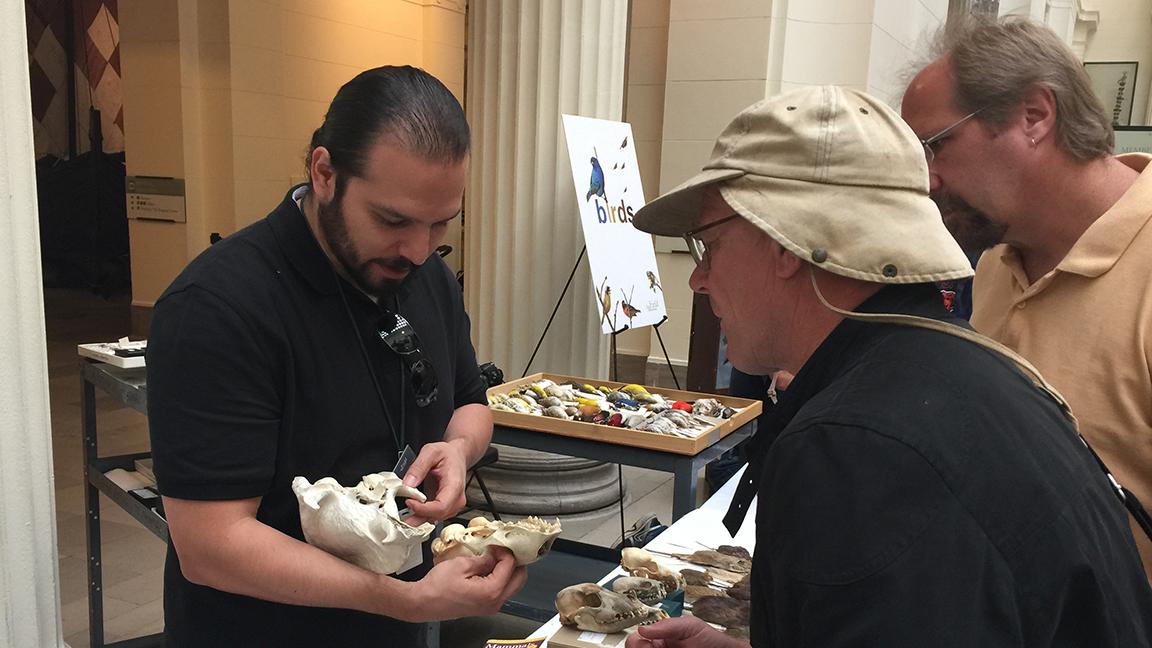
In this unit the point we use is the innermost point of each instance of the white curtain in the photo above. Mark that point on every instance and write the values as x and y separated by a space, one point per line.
29 576
529 61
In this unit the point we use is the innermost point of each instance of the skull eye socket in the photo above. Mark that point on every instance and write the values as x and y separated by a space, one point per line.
544 548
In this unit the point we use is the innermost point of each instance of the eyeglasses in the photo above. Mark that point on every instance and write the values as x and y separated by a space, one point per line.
696 246
933 142
399 335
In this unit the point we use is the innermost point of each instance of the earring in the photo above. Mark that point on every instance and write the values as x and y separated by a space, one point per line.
1033 142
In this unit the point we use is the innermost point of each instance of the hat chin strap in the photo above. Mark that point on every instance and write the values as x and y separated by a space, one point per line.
956 331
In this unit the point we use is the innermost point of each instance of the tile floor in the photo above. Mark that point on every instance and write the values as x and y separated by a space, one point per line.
133 557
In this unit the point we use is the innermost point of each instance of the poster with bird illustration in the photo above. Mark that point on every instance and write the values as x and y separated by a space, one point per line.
609 193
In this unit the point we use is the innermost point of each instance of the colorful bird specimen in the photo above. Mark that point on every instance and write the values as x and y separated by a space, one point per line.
596 183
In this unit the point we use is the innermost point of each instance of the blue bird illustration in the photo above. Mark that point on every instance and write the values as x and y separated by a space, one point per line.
596 184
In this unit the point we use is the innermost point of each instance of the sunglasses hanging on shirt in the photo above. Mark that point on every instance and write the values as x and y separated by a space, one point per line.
401 338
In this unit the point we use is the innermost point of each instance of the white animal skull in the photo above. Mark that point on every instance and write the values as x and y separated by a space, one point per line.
362 524
639 562
528 539
591 607
645 590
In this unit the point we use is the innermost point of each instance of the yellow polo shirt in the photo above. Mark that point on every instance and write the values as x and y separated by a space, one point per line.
1087 326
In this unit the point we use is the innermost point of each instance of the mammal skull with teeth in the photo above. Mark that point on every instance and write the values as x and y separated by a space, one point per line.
639 562
528 539
595 609
645 590
361 524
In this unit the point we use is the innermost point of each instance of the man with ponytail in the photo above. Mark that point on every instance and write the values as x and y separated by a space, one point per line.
325 340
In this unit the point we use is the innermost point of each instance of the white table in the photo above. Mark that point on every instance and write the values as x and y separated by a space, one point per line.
701 528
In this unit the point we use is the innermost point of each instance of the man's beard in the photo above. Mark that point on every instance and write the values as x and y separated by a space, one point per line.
334 229
973 229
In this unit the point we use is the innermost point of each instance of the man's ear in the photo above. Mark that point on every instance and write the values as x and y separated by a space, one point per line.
1038 113
322 174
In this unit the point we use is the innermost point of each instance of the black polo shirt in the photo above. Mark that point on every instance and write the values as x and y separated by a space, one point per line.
258 371
922 493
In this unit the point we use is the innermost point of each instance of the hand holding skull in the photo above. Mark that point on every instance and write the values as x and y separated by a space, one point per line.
469 586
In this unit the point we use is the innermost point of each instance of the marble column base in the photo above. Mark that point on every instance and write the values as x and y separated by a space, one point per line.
528 482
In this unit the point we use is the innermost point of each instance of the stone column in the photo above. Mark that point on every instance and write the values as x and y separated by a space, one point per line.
528 63
1074 24
29 575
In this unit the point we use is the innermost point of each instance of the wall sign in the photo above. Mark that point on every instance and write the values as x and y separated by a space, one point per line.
1132 139
152 198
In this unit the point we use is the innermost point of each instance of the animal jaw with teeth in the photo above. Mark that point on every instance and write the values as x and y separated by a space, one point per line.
528 539
639 562
595 609
361 524
645 590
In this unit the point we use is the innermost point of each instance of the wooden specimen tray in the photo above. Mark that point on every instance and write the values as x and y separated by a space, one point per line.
746 410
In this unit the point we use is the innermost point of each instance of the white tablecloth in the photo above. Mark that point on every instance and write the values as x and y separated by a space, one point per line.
702 528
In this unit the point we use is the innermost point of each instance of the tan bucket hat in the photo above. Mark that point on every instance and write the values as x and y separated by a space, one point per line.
833 175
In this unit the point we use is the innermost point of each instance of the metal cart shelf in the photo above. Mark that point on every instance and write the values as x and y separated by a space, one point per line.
128 387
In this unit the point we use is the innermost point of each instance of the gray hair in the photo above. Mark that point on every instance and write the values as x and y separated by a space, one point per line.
997 61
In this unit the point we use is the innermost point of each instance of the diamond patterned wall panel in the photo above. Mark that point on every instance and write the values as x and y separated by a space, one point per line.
98 81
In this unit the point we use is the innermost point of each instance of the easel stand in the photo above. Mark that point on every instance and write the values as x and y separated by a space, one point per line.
615 365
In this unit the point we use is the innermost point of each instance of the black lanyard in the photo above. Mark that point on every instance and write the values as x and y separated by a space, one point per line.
397 433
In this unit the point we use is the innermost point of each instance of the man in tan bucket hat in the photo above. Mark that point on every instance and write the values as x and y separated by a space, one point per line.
924 487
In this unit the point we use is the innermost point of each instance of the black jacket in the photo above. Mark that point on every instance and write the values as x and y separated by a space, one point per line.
922 492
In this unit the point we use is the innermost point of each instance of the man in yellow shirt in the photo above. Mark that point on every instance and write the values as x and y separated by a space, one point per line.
1019 152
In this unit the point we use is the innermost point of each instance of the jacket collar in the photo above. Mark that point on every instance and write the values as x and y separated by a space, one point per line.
835 355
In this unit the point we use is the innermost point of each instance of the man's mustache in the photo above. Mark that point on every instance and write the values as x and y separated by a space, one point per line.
399 264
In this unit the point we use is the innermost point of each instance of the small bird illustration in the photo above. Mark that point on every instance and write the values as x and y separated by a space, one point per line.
596 184
653 283
605 300
616 166
628 309
624 143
